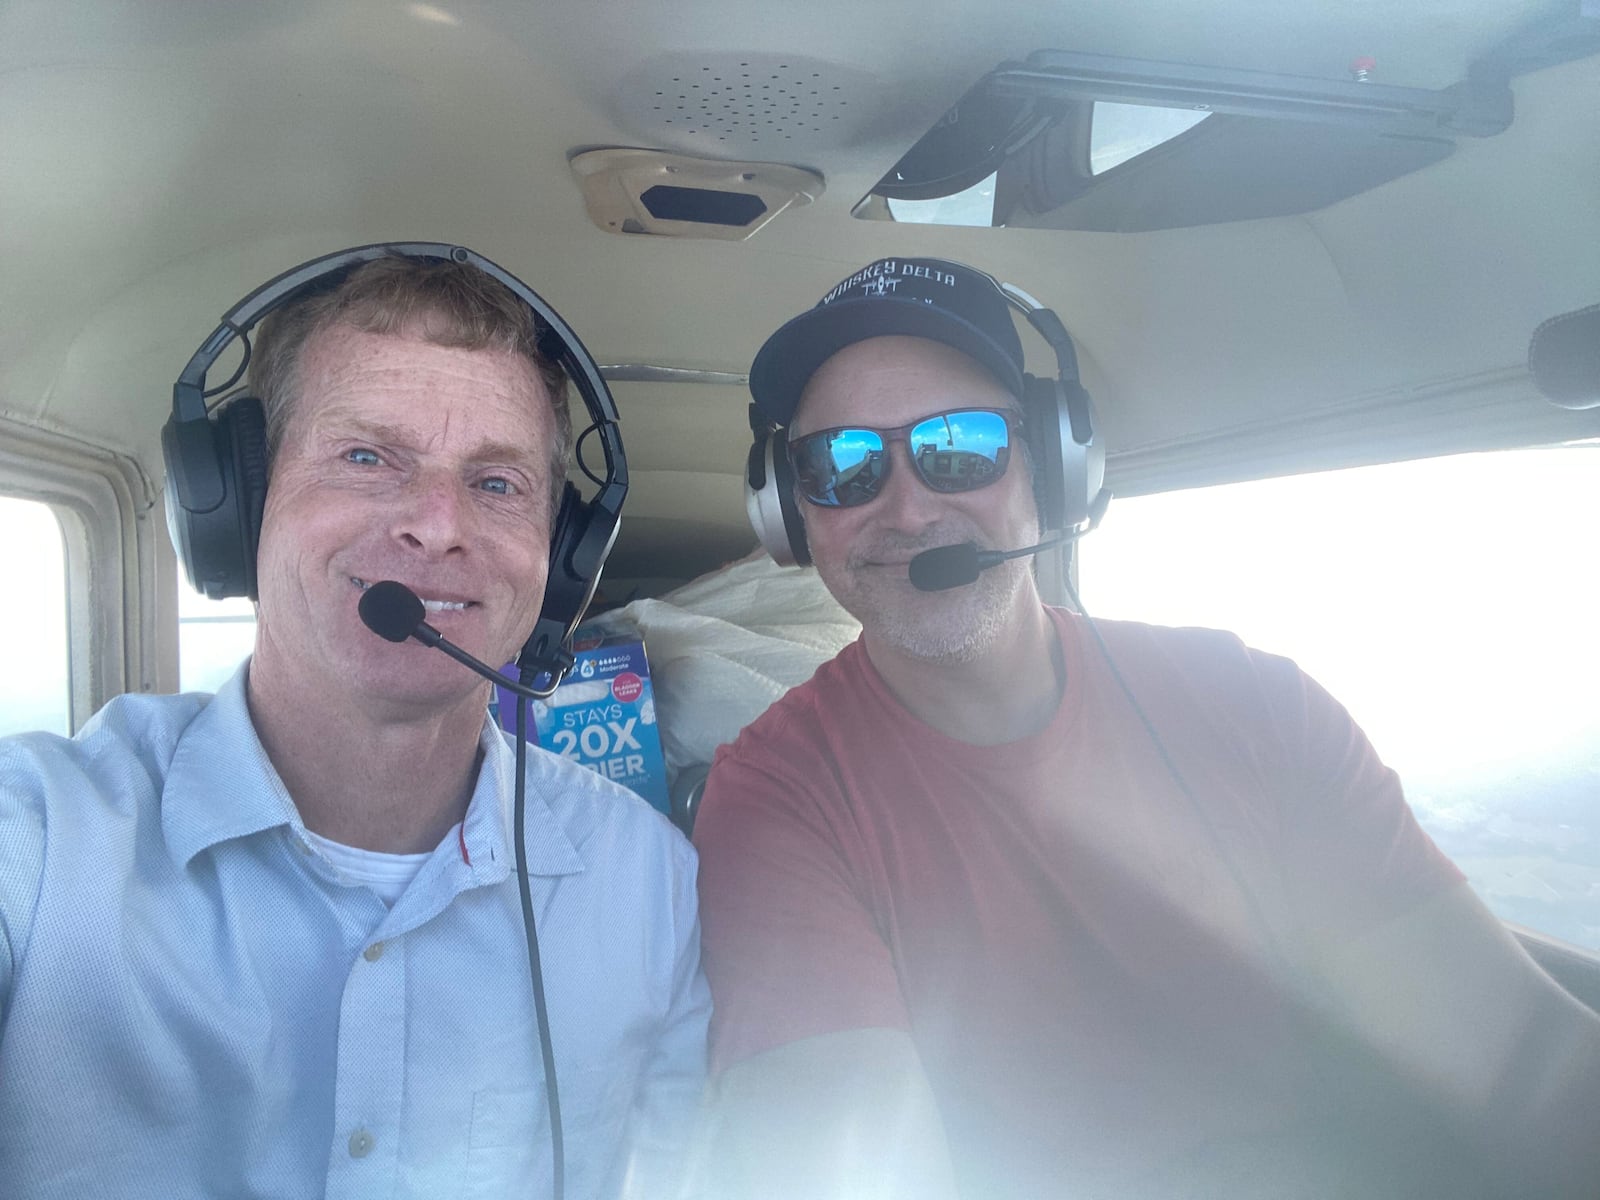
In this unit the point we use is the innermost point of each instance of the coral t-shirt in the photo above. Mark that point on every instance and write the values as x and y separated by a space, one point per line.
1093 934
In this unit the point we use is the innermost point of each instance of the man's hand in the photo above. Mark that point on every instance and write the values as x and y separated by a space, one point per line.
842 1116
1454 1005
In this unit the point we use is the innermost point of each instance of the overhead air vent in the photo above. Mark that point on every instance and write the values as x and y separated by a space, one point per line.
672 195
704 205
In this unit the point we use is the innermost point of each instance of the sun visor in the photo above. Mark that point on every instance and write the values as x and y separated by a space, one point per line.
1071 140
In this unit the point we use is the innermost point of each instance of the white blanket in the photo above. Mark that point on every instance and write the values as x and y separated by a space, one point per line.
726 645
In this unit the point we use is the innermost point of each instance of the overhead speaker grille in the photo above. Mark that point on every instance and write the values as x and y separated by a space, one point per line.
758 105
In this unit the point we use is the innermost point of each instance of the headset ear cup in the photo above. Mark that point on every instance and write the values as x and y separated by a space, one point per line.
770 504
566 590
1067 472
246 424
185 445
1084 463
1049 443
579 545
217 545
794 525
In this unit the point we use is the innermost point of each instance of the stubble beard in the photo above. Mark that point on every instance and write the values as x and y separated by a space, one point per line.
957 625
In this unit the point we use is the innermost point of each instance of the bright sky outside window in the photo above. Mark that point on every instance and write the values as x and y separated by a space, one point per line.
1448 604
214 636
34 668
975 206
1119 132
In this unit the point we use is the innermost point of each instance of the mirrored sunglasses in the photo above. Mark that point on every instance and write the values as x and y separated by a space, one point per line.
956 451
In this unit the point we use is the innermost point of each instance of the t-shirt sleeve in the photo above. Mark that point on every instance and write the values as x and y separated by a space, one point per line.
792 948
1354 853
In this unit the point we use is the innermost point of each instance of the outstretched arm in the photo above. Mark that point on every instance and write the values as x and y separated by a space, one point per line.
818 1091
1455 1006
839 1116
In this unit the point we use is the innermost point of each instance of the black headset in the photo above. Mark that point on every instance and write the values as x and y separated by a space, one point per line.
1069 460
216 461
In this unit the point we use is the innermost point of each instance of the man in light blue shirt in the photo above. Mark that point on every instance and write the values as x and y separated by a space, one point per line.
270 942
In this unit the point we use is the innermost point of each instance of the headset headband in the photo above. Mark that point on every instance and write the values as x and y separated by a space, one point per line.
201 491
1054 332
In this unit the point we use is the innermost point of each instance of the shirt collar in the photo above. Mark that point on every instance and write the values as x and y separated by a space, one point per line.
221 785
486 833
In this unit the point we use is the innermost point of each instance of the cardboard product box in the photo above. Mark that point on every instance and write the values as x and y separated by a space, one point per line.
602 716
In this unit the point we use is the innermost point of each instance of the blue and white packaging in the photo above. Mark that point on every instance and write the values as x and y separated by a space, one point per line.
603 716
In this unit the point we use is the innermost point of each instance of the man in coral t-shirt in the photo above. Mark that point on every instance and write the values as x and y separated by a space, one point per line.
1004 904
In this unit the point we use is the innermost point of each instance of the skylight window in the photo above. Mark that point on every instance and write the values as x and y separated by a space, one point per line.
1119 132
971 206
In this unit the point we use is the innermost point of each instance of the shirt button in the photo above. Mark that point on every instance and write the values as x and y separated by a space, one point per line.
360 1144
373 952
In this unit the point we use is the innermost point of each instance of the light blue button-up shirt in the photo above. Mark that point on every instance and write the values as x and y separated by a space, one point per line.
193 1002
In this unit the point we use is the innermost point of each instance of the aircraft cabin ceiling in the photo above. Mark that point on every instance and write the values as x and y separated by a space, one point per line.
161 159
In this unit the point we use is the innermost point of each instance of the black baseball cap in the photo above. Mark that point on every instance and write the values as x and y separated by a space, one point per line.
918 297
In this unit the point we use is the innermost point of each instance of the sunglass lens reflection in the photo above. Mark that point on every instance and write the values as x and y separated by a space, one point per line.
956 451
961 451
840 468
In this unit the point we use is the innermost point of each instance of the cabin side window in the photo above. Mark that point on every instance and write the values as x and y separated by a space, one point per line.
35 670
214 637
1448 603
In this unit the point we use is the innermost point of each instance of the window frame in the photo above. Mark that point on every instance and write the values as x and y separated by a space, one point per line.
119 564
1484 411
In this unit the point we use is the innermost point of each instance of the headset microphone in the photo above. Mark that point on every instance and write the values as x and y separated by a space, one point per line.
391 610
958 565
955 566
395 613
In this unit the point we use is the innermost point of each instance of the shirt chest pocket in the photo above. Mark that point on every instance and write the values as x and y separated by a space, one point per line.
509 1154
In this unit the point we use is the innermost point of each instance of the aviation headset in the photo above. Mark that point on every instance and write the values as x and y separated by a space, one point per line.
216 461
1068 457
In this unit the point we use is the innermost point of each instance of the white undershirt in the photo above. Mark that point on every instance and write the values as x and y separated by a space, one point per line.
386 874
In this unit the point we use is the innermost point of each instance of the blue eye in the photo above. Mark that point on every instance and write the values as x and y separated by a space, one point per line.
363 456
500 487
